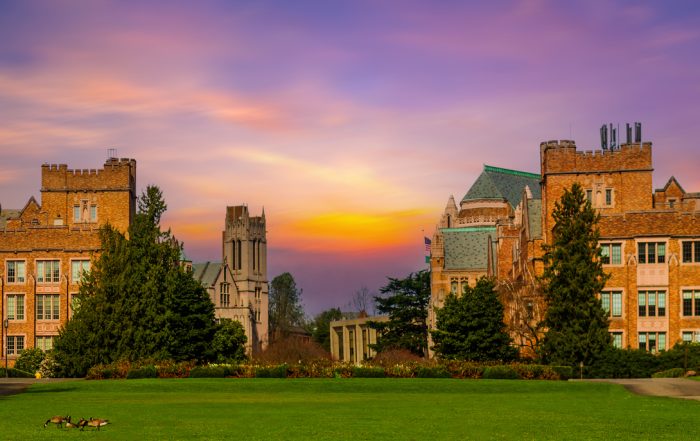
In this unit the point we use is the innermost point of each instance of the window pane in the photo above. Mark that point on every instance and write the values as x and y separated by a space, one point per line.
661 253
608 197
40 307
643 341
687 337
697 251
652 341
662 304
662 341
642 304
652 303
11 306
687 251
56 307
697 303
617 304
616 254
642 255
605 302
651 252
20 308
93 213
605 254
687 303
76 212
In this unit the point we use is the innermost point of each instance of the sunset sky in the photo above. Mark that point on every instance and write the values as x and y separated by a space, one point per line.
350 122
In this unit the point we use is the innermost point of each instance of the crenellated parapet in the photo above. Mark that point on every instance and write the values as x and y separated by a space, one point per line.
117 174
562 157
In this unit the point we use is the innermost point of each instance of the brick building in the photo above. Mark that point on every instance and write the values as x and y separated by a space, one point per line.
650 243
238 284
44 247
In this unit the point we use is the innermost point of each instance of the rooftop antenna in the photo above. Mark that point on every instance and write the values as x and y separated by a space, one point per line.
111 153
604 137
628 130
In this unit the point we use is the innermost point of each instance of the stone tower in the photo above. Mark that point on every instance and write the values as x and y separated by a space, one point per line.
245 254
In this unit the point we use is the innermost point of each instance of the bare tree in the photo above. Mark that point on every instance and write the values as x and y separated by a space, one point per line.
524 308
363 300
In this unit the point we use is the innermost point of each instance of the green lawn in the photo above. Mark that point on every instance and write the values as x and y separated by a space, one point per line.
352 409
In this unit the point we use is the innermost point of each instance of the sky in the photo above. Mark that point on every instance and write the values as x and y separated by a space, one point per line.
351 123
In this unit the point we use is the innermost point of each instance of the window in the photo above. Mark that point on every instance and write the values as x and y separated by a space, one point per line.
15 344
608 196
691 336
15 307
464 285
93 213
78 268
617 339
691 251
47 307
652 341
652 303
453 287
671 203
45 342
224 296
651 252
74 303
76 213
16 271
691 302
48 271
589 196
611 253
612 303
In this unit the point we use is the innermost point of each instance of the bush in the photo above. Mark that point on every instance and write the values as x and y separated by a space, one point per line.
500 373
464 369
29 360
292 350
208 372
393 357
48 367
432 372
14 373
271 372
172 369
624 363
142 372
368 372
670 373
564 372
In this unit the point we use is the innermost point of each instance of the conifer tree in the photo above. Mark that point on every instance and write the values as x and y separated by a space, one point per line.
471 327
137 301
407 308
284 307
576 325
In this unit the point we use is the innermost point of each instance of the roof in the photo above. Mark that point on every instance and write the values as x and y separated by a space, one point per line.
502 183
467 247
534 217
8 214
206 273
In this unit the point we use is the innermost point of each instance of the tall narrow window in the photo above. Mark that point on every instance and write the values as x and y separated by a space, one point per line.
605 302
617 339
589 196
608 196
240 255
15 307
642 304
255 250
76 213
78 268
93 213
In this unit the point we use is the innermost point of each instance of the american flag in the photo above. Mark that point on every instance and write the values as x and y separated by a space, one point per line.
427 244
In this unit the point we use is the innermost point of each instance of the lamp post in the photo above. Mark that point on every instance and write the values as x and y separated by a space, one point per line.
5 324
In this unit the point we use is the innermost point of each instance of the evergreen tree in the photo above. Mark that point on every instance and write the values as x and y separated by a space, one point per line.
471 327
285 310
321 327
407 308
577 326
229 341
137 301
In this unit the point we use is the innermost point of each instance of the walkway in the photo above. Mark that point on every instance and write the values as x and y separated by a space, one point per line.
660 387
11 386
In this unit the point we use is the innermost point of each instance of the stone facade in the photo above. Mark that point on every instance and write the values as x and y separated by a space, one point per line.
350 338
650 240
238 284
45 246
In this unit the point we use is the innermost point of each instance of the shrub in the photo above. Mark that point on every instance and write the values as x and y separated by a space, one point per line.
14 373
271 372
623 363
432 372
464 369
564 372
208 372
368 372
172 369
142 372
500 373
670 373
48 367
393 357
343 371
292 350
29 360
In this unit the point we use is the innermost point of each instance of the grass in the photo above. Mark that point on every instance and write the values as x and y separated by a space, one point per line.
351 409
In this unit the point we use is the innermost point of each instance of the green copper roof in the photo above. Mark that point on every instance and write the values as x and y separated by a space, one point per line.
206 273
502 183
467 248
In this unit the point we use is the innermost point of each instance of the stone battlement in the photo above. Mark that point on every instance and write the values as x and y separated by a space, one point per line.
563 157
116 174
